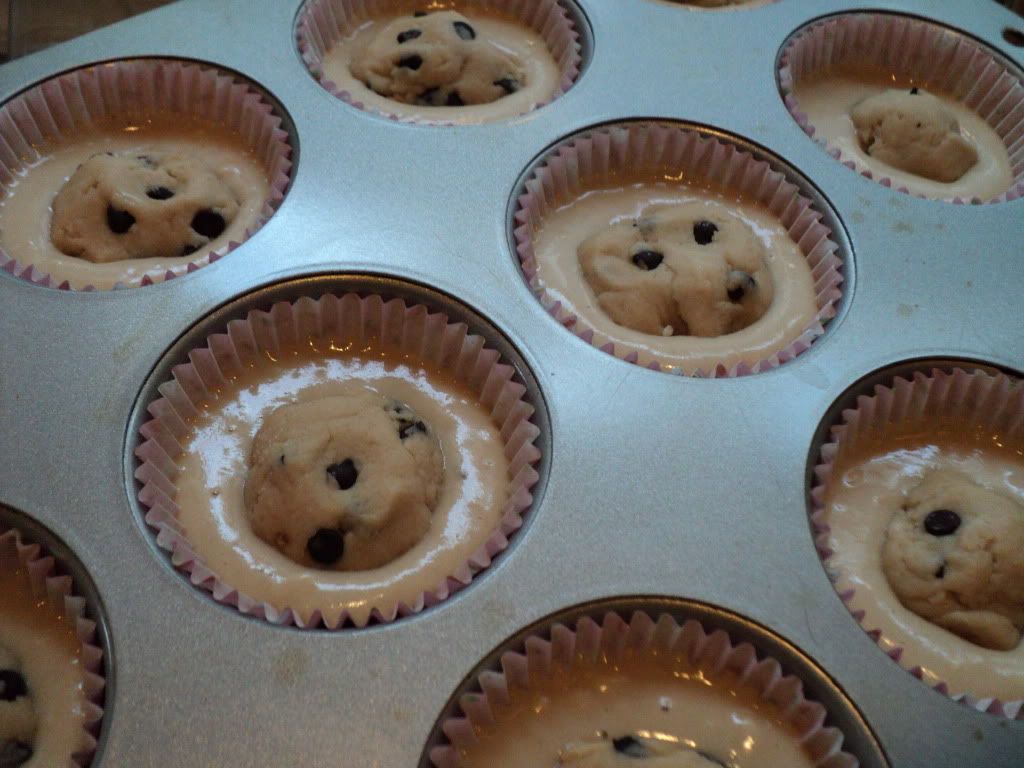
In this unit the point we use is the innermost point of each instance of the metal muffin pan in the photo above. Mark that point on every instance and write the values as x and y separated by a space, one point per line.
657 485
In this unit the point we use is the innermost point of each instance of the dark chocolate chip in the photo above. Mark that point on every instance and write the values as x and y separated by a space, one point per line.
704 231
208 223
942 522
409 34
344 473
14 754
454 100
429 97
463 30
411 62
119 221
188 250
12 685
627 745
914 91
419 14
738 284
409 428
941 572
507 84
282 459
648 260
159 193
326 546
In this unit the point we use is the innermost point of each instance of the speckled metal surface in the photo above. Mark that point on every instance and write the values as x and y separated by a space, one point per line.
657 484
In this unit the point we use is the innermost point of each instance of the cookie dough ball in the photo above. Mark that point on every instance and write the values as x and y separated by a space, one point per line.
913 131
17 714
954 554
633 752
127 206
437 60
345 483
686 270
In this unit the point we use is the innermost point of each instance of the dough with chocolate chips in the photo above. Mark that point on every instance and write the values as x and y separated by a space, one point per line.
681 270
914 132
436 59
127 206
632 752
17 713
954 554
356 470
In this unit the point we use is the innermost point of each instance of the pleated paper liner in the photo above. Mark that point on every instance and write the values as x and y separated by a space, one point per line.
53 112
420 333
938 59
922 404
595 158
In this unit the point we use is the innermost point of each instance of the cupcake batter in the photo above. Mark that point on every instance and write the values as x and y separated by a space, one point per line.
834 104
883 476
458 69
212 473
790 310
644 701
42 701
27 215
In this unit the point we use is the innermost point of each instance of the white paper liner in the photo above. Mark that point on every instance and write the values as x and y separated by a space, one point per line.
690 644
994 403
425 335
322 23
599 158
56 110
938 59
48 584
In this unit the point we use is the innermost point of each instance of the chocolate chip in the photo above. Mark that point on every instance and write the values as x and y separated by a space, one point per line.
913 91
409 34
738 284
14 754
942 522
12 685
463 30
429 97
159 193
941 572
627 745
454 100
419 14
119 221
208 223
704 231
282 459
411 62
648 260
188 250
507 84
326 546
408 428
345 473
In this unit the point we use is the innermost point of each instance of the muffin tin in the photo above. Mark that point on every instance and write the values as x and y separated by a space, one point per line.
657 488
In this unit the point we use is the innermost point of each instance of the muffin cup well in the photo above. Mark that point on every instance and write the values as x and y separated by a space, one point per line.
54 111
990 403
687 645
48 584
322 23
599 158
934 56
349 318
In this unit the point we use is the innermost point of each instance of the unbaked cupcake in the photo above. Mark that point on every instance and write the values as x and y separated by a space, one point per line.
919 514
140 170
50 686
342 460
470 62
909 103
676 251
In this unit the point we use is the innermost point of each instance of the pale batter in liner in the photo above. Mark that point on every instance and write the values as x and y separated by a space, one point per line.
524 45
828 100
212 471
792 310
26 207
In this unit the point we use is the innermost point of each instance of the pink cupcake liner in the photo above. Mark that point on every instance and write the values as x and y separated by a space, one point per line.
994 403
689 644
322 23
938 58
426 335
49 585
58 109
597 158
